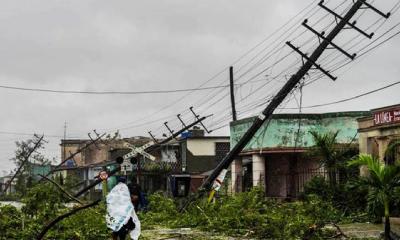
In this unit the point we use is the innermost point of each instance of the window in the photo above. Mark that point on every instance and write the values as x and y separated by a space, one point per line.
221 149
393 152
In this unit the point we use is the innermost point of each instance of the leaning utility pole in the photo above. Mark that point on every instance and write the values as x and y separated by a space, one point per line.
113 172
24 161
147 149
72 155
232 89
65 137
292 82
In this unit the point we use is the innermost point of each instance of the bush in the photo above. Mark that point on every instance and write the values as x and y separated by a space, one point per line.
246 213
162 209
88 224
43 203
10 222
318 186
347 197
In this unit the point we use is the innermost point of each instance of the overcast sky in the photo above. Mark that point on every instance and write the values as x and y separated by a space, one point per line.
132 45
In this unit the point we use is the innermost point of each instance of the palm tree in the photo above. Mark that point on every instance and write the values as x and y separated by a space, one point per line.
332 154
381 181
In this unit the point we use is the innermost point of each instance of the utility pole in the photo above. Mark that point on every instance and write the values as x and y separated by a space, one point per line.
148 149
232 88
65 137
72 155
291 84
37 144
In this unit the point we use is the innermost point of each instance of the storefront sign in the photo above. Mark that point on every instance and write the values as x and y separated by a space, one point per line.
387 117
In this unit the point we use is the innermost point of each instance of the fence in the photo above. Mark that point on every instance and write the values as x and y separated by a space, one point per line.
290 185
158 166
304 176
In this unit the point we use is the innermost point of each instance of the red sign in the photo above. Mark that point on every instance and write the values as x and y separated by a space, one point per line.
387 117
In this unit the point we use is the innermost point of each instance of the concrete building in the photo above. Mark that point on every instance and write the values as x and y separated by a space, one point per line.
4 181
192 153
31 169
202 153
276 156
96 153
36 169
88 163
378 130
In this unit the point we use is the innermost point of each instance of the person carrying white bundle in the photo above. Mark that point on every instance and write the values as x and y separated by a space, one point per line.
121 217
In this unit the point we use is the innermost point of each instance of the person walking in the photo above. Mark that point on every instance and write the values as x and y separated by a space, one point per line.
121 217
135 190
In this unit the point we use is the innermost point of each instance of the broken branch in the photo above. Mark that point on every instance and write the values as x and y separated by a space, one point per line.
62 189
59 218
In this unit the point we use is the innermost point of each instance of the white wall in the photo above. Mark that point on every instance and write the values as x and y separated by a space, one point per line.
204 146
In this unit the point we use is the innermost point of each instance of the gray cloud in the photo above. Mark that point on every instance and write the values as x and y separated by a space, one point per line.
142 45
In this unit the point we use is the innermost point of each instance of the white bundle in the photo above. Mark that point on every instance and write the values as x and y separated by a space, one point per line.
120 209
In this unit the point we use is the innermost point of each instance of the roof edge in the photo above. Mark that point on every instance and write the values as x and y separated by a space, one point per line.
358 114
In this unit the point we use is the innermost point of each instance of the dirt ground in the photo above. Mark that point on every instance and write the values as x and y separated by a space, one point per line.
354 231
362 230
182 234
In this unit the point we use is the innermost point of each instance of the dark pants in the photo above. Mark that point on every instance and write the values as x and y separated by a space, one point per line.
121 234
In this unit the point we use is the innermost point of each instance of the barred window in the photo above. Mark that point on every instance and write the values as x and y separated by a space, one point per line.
393 152
221 149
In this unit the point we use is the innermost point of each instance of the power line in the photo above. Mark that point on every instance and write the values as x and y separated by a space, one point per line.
351 98
207 99
27 134
225 69
111 92
372 48
331 55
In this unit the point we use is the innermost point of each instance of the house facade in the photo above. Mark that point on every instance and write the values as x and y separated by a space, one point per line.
192 153
276 158
6 180
378 131
86 165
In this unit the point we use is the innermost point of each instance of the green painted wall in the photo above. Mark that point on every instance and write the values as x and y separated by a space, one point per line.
38 169
281 130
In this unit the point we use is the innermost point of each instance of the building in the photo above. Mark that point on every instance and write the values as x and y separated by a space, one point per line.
200 154
33 170
379 130
276 156
192 153
4 181
95 153
86 165
36 169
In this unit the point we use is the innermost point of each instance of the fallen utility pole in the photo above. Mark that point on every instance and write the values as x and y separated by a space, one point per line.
93 141
109 173
62 189
286 89
148 149
176 134
75 210
97 181
26 158
173 136
61 217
